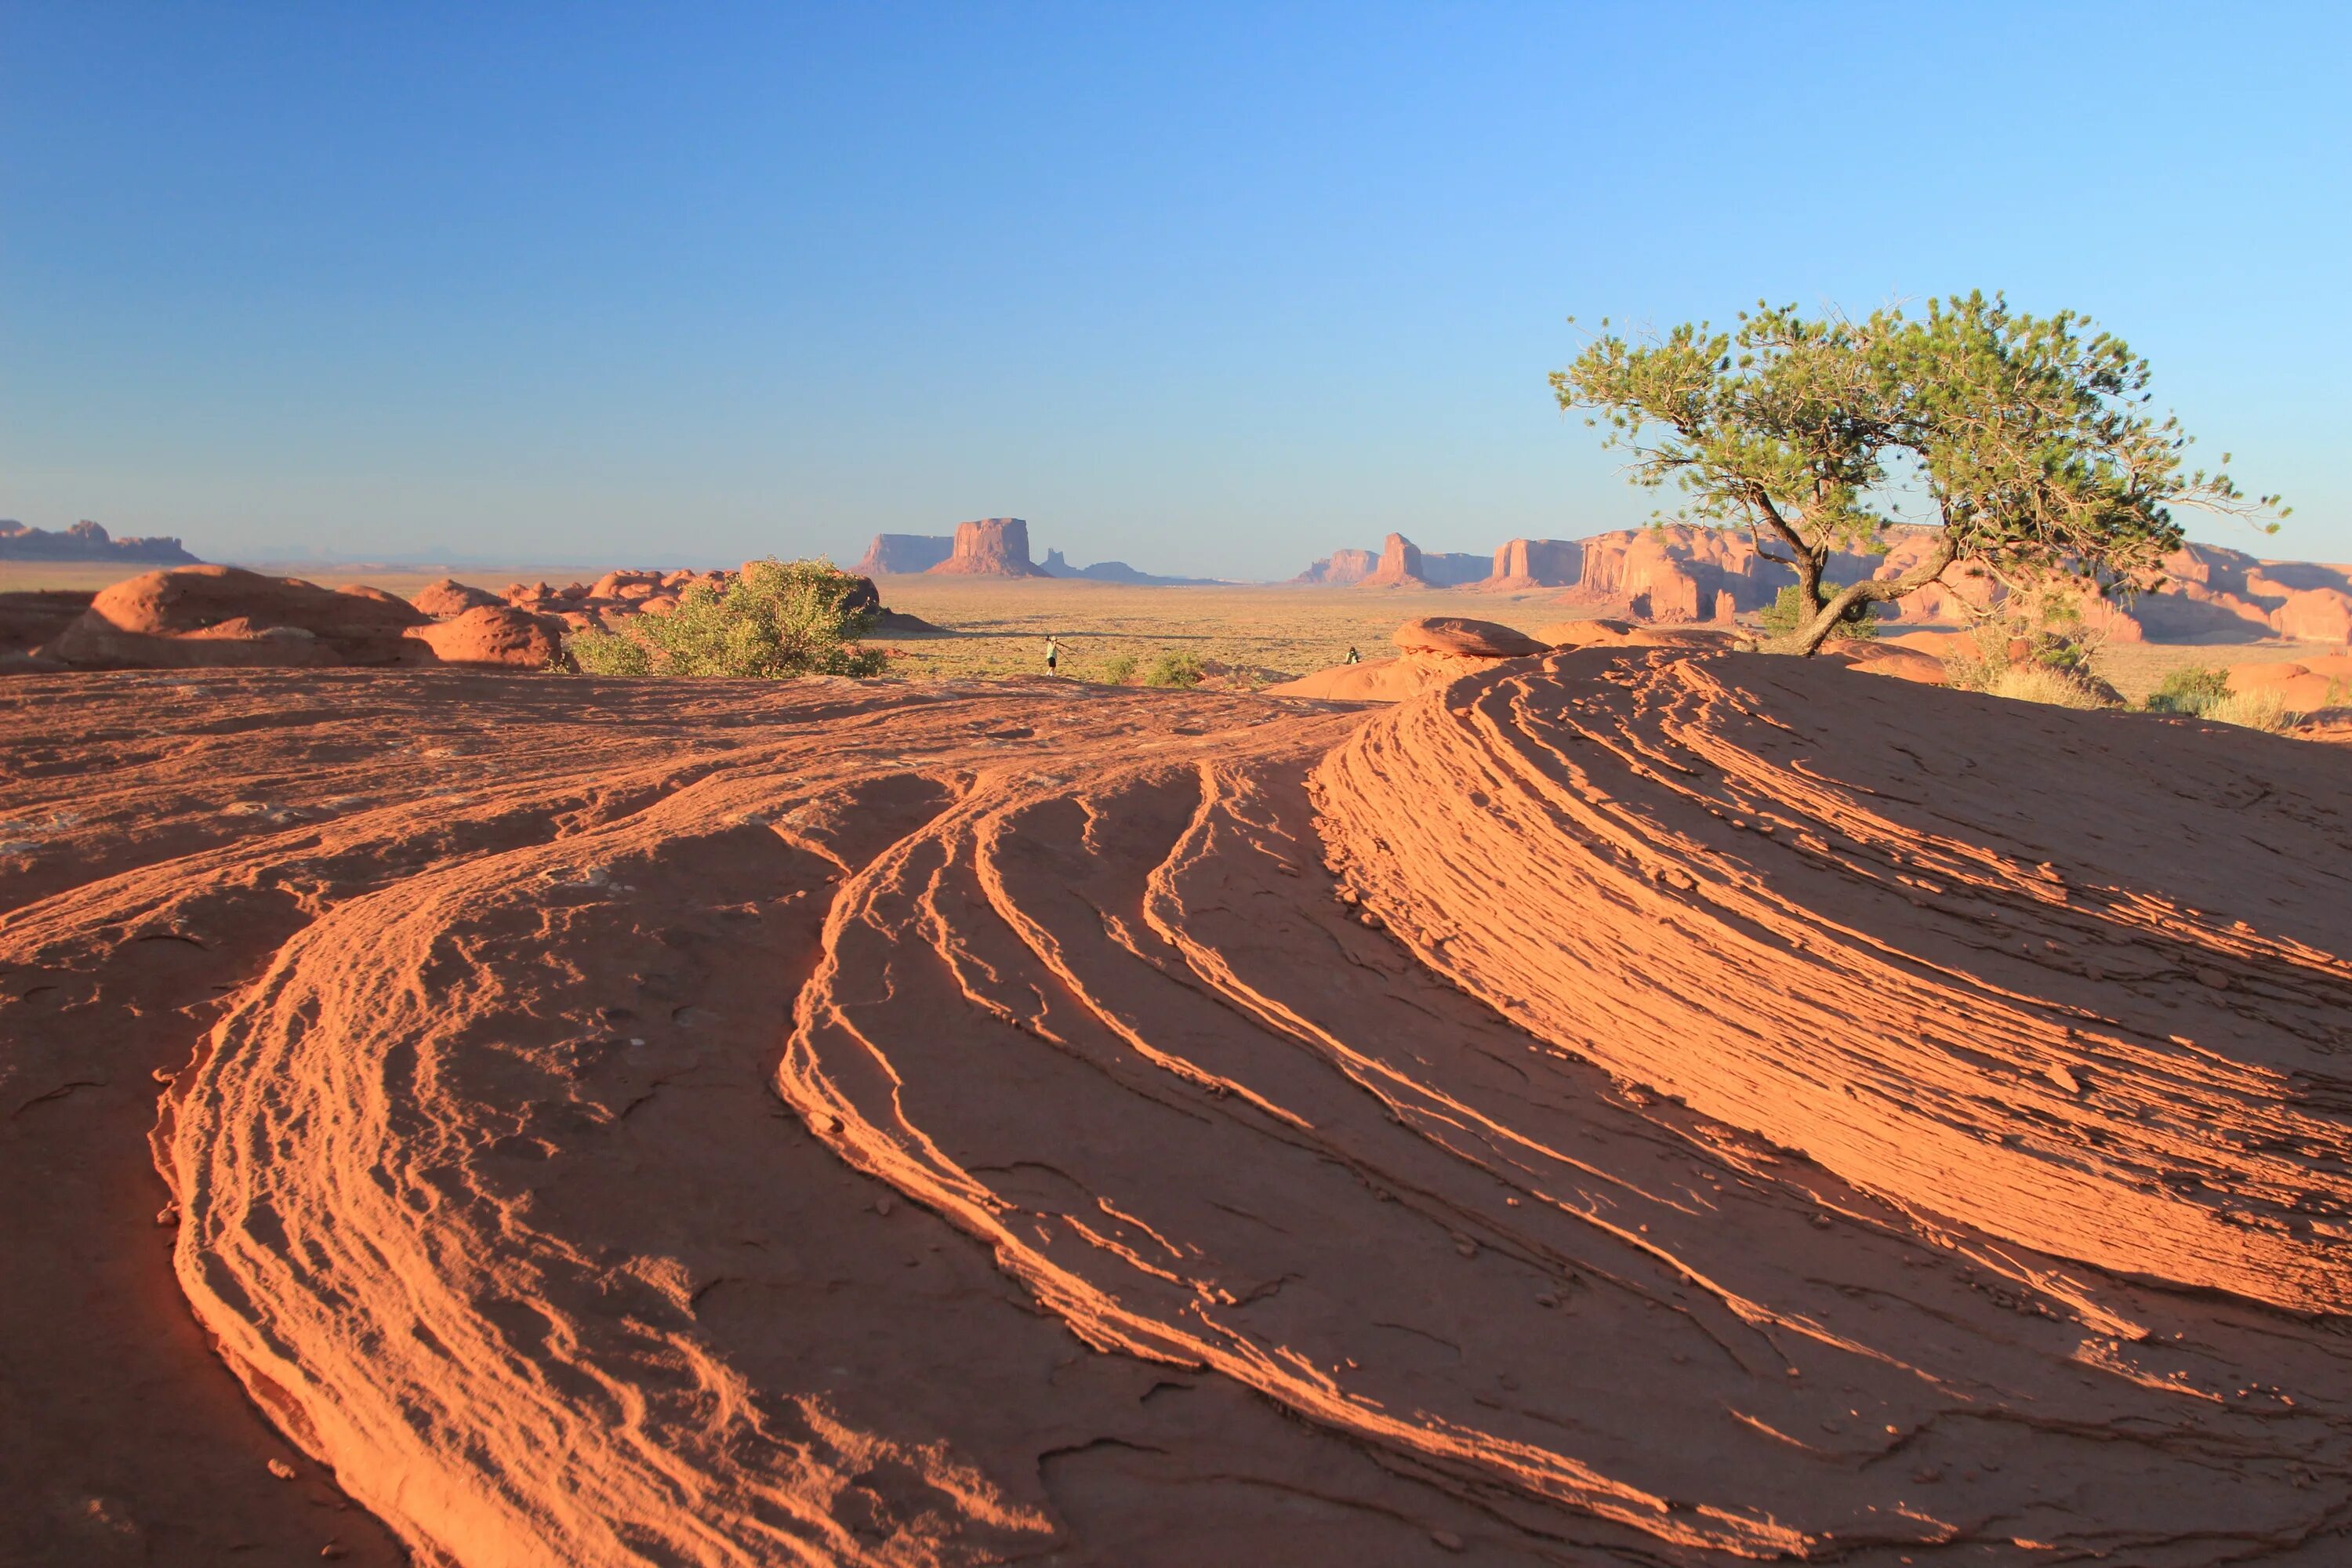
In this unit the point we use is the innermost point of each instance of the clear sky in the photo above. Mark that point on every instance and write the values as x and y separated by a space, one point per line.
1210 290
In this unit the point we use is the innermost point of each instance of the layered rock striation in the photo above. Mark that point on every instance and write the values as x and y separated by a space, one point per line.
1634 1104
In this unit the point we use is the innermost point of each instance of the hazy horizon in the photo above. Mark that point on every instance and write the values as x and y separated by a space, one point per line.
1213 294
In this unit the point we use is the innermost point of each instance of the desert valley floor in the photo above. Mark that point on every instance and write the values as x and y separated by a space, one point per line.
1630 1106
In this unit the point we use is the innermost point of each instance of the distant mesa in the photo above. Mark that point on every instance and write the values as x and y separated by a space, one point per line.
1340 569
1537 563
995 547
990 547
1684 574
86 541
903 554
1058 565
1404 565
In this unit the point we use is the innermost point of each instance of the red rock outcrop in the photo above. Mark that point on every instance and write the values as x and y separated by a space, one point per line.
1459 635
223 616
991 547
1722 1110
450 597
903 554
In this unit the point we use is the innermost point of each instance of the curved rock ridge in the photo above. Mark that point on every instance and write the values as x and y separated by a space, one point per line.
1627 1106
1931 974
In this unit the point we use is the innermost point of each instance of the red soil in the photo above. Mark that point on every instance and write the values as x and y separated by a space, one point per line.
1722 1107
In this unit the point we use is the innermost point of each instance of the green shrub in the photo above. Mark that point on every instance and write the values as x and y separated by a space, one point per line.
1119 669
2191 691
1175 670
776 618
1785 613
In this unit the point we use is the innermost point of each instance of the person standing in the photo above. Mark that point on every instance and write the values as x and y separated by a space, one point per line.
1053 657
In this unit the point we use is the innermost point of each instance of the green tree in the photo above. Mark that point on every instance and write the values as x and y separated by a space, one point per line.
2028 437
775 618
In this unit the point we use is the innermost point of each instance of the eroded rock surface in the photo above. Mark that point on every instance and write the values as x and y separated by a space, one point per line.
1638 1105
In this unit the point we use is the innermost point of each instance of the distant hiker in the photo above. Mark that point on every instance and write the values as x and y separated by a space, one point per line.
1053 657
1353 657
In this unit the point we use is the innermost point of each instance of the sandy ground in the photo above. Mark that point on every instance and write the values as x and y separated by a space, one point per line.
1621 1108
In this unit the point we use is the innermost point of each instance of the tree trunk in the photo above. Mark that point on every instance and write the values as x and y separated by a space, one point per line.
1808 639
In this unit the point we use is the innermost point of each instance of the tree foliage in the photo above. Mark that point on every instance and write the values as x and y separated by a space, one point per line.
2030 437
773 619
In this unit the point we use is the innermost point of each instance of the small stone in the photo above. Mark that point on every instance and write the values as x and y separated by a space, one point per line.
1448 1540
168 1214
883 1207
281 1469
2213 978
334 1549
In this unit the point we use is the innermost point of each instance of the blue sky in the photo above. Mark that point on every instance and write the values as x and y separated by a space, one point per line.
1210 290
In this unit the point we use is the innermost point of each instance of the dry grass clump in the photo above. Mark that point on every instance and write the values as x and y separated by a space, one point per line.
2252 711
2041 683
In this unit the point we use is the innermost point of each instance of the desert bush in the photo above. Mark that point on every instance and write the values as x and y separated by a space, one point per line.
2250 709
2191 691
775 619
1175 670
2042 683
1119 669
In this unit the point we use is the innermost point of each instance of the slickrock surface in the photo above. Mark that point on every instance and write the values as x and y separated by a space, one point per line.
1722 1109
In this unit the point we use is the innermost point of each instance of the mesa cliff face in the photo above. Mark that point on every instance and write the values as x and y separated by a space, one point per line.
991 547
903 554
1340 569
1404 565
1639 1104
1537 563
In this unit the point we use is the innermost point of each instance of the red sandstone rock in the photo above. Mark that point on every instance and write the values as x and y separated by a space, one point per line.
1459 634
991 547
450 597
1698 1109
494 634
194 616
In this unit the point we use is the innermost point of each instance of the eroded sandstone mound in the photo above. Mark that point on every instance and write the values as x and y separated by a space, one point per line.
1641 1104
194 617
